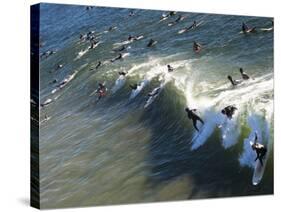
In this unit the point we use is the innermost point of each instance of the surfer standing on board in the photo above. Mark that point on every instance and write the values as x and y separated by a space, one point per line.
194 117
259 148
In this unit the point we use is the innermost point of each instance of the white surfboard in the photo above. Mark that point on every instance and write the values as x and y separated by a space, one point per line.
266 29
136 92
119 83
259 169
151 99
186 28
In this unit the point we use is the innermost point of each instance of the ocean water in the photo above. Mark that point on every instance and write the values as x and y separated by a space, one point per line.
120 150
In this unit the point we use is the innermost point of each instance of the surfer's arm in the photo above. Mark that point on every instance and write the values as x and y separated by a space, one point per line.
256 137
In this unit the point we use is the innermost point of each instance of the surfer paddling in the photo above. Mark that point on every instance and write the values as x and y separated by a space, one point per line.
194 117
119 57
246 29
259 148
122 73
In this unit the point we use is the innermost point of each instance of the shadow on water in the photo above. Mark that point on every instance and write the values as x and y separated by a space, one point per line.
214 171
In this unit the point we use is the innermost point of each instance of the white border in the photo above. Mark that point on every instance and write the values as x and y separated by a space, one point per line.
14 86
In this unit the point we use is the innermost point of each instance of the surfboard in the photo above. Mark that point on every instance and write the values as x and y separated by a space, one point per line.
259 169
186 28
151 99
119 83
135 92
266 29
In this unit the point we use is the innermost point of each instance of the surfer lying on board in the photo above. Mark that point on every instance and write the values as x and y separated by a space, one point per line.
122 73
244 75
229 111
94 44
197 47
154 92
259 148
233 82
192 115
119 57
246 29
151 43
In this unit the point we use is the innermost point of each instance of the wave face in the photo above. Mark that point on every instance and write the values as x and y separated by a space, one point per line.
115 150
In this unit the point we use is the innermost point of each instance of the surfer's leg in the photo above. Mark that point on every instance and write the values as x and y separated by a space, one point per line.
194 124
260 159
200 119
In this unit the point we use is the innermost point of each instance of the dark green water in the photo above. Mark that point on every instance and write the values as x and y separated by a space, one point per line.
116 151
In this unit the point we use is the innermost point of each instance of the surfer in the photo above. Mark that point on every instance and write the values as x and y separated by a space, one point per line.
122 73
47 102
233 82
197 47
98 65
132 38
180 18
151 43
192 115
172 13
243 74
101 91
229 111
111 28
131 13
94 44
259 148
170 68
119 57
54 81
133 86
246 29
122 48
59 66
154 92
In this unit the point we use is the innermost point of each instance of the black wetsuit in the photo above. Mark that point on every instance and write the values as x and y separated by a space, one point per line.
170 68
119 57
229 111
134 87
101 91
98 65
260 150
245 76
194 117
151 43
122 73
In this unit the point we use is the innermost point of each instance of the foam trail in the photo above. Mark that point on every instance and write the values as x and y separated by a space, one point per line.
119 83
140 87
199 138
230 132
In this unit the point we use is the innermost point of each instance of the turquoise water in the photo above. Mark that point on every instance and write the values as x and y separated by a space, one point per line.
116 151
